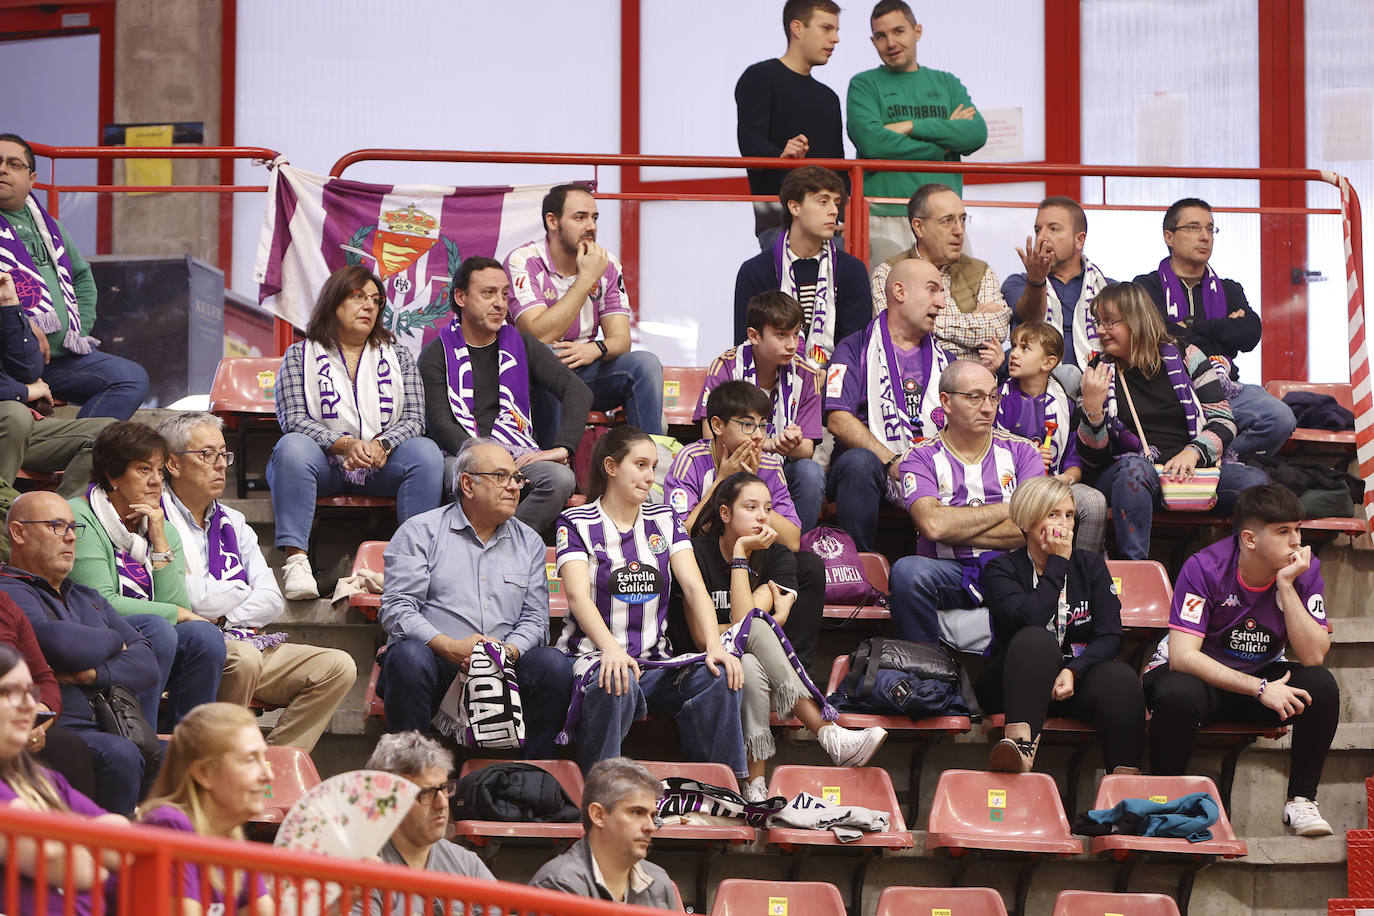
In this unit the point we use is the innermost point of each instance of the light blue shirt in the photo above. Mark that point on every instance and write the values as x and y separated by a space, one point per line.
441 579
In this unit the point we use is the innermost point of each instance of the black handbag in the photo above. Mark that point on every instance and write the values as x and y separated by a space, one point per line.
117 712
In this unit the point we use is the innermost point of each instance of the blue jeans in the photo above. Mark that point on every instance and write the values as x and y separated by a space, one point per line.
859 485
414 680
704 706
104 385
119 775
921 587
1263 422
1132 488
299 471
633 380
806 484
190 661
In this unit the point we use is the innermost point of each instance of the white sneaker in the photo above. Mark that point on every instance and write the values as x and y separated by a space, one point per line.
851 747
756 790
1303 818
298 581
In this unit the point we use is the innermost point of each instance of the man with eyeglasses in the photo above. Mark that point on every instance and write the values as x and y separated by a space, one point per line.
978 325
84 639
419 840
956 486
58 296
228 580
466 573
1212 314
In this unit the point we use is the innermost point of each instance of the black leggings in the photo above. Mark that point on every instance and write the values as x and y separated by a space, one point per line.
804 622
1108 695
1183 703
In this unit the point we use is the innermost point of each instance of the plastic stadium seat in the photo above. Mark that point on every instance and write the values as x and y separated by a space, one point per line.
355 501
876 570
1344 396
1114 789
715 774
293 774
1145 592
244 386
480 833
37 480
558 599
747 897
369 557
867 787
1018 812
955 901
373 707
681 390
1095 903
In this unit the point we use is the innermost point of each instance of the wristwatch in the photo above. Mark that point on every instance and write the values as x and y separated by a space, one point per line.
166 556
602 345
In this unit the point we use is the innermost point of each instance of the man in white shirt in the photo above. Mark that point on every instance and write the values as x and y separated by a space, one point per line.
229 581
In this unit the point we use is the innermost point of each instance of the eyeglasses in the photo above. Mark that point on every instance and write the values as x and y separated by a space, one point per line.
503 478
1109 323
14 694
358 295
210 456
977 398
947 222
59 527
1197 229
427 795
17 165
748 427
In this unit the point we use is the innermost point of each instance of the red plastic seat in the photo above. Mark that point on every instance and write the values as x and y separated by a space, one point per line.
876 570
682 387
954 725
355 501
1114 789
480 833
369 557
956 901
1096 903
1052 724
867 787
715 774
1344 396
293 774
748 897
244 385
373 707
1018 812
1145 591
558 599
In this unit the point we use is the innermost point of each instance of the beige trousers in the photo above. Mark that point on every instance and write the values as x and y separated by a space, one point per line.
309 681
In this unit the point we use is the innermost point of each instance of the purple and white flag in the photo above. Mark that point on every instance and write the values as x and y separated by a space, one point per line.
413 237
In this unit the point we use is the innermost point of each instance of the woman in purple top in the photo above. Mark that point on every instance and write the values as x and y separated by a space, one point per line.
214 777
25 784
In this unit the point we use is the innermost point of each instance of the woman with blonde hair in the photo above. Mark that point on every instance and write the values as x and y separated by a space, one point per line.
213 778
1149 401
1056 631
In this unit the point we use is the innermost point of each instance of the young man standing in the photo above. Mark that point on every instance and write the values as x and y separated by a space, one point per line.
1247 637
786 112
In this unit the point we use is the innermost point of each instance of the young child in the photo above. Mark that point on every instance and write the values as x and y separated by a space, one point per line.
1035 406
769 359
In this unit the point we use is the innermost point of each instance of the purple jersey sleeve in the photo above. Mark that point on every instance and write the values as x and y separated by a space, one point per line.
918 476
1192 602
682 487
524 268
568 542
809 404
844 378
614 299
1069 458
770 470
1312 590
1029 463
720 371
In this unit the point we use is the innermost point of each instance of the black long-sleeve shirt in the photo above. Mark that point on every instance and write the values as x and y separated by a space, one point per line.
775 103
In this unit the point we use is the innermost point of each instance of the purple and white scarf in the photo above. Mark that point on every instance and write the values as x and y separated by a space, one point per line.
482 705
1176 305
1085 342
786 391
133 564
34 296
513 427
888 418
1172 360
363 407
586 669
819 339
1017 414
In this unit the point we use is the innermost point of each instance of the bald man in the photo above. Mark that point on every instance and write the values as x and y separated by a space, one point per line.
880 394
84 639
466 573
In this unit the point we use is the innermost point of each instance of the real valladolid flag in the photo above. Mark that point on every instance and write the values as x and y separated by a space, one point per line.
413 237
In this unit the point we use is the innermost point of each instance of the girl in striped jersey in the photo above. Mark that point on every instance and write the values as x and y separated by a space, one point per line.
618 557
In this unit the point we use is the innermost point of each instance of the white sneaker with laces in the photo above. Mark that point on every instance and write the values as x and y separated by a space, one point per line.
298 581
756 790
850 747
1302 817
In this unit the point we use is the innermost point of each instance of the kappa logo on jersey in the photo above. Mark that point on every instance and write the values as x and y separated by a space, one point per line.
834 380
678 500
909 483
657 544
1191 609
562 540
1316 607
1231 601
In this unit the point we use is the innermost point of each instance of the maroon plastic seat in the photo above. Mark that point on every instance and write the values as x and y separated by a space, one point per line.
1145 592
369 557
1113 789
293 774
1341 391
955 901
480 833
1096 903
1016 812
876 570
867 787
682 386
558 599
748 897
715 774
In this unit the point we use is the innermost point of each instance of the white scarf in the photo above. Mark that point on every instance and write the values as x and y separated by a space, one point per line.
888 419
124 540
1058 413
1085 342
819 340
364 408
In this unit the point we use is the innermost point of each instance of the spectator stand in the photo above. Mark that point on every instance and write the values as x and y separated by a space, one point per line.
711 839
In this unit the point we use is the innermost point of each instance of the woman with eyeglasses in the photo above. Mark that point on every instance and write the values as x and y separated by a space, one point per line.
133 557
25 784
352 407
1149 401
214 777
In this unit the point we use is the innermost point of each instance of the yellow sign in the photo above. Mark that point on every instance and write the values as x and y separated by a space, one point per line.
671 389
1116 584
942 911
777 906
551 573
830 795
145 172
997 798
1160 799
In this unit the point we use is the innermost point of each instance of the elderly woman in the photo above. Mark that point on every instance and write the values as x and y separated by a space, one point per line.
352 407
133 557
214 778
25 784
1056 631
1148 401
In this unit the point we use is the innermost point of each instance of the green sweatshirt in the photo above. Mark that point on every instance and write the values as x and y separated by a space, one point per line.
95 567
82 281
925 97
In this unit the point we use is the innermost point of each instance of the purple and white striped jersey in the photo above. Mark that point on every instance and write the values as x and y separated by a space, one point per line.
693 470
931 469
533 281
629 575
